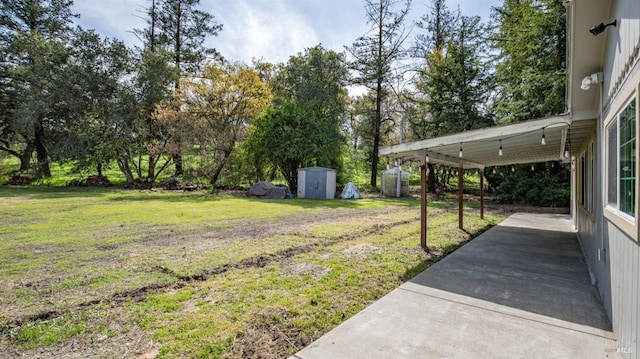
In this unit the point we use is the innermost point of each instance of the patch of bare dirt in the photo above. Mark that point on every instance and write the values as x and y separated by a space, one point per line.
269 336
125 340
91 181
140 184
244 229
360 251
18 180
174 184
316 272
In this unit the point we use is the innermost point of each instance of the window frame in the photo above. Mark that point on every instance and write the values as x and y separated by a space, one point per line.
613 212
585 171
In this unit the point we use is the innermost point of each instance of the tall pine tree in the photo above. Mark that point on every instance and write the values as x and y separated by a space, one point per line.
375 54
182 30
33 39
530 72
454 83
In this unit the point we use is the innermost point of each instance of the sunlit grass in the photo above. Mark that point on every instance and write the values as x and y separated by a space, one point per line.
63 248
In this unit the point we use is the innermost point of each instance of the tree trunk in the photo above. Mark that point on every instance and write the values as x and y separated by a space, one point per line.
25 157
123 164
151 171
289 171
378 119
99 169
374 156
177 160
41 150
218 169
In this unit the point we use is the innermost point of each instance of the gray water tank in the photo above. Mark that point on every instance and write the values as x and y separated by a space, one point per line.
389 182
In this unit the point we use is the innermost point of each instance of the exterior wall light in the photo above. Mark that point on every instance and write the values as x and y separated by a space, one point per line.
594 78
598 29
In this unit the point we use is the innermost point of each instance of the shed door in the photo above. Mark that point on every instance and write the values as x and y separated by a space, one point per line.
316 187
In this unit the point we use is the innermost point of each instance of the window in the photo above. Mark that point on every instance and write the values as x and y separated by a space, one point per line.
592 176
586 170
621 161
583 180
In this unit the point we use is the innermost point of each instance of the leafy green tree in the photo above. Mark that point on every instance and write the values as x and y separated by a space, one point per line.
33 35
543 184
375 55
530 72
182 30
289 136
431 47
530 83
362 122
154 78
91 90
14 140
219 108
455 83
49 18
439 25
304 126
317 80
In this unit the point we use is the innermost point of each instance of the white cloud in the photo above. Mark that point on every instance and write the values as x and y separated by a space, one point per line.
271 31
112 18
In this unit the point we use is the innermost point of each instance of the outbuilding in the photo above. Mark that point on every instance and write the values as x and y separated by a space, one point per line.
316 183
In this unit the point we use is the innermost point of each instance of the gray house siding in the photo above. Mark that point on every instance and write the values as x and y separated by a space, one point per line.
610 246
621 69
625 284
622 45
614 261
590 220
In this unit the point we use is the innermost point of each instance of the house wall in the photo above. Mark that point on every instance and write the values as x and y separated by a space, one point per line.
622 45
616 237
610 241
590 217
625 284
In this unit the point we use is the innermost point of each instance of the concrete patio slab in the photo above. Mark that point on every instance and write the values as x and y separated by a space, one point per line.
520 290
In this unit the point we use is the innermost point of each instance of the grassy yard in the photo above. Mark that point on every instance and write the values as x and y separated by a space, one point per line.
112 273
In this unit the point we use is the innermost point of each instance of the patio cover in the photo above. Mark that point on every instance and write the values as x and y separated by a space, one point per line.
520 143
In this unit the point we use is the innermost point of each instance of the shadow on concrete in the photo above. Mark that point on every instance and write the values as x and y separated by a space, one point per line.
541 271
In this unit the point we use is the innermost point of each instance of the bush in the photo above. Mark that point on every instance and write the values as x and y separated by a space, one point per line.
548 185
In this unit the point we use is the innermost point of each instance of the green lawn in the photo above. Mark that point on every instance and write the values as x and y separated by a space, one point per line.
115 273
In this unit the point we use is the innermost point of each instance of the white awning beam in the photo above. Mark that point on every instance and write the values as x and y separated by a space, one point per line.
521 143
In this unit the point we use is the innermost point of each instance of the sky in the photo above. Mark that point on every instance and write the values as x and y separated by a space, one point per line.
270 30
